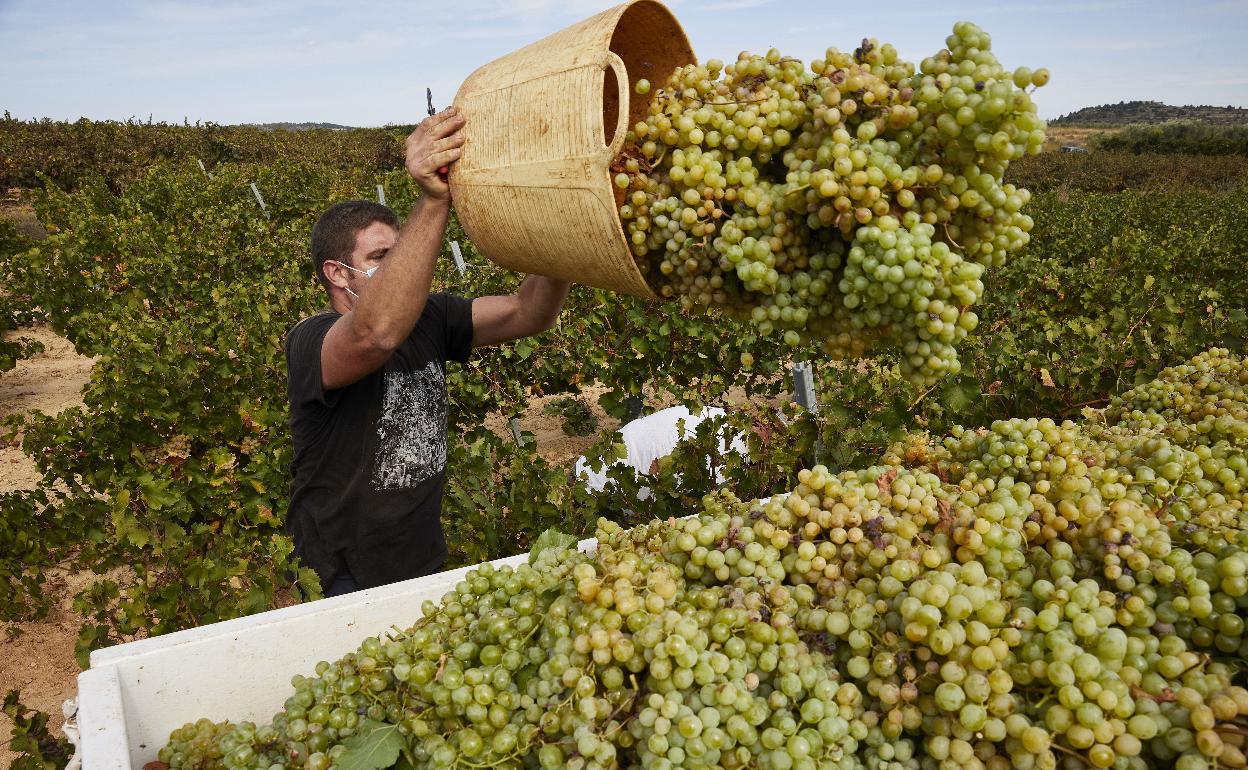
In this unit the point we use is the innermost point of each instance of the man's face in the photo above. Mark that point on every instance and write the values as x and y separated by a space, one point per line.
372 244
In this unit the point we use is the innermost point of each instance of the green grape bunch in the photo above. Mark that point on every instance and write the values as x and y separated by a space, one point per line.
1032 595
856 202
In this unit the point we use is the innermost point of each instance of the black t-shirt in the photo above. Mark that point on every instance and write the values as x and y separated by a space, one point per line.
370 458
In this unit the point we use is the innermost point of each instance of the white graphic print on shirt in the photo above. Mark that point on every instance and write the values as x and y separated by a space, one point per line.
412 432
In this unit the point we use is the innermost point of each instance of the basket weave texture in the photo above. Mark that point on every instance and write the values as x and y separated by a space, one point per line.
533 187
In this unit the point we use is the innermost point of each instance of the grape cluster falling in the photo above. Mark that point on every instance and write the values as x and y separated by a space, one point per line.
857 201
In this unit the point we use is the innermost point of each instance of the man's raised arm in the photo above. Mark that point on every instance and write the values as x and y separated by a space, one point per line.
532 309
390 303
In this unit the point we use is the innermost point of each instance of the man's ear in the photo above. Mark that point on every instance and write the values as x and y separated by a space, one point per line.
334 277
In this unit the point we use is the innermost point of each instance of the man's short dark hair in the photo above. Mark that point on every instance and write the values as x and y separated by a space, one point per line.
333 235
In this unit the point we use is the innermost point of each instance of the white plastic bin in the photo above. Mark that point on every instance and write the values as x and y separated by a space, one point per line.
135 694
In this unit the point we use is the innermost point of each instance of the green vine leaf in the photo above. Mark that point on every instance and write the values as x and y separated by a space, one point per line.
374 746
551 538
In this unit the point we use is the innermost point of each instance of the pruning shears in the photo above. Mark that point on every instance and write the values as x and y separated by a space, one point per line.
442 172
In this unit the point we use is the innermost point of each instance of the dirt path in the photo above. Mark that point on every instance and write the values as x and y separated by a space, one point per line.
552 443
1072 136
38 658
48 382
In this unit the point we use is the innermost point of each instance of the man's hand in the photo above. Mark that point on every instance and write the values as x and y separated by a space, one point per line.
432 148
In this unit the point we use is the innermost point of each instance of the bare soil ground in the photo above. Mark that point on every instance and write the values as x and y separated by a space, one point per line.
552 443
23 215
37 658
1073 136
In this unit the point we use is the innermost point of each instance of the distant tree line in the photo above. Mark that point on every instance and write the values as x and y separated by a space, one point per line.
120 152
1180 137
1151 113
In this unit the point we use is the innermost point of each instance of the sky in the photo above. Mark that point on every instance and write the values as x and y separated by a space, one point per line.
368 62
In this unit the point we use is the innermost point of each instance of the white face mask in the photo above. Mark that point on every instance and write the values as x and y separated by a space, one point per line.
366 273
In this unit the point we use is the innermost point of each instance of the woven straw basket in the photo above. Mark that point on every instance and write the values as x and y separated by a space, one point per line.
533 186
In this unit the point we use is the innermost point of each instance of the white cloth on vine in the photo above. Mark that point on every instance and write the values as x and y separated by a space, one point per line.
648 438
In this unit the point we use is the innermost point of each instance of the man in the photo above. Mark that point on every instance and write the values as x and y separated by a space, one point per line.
366 378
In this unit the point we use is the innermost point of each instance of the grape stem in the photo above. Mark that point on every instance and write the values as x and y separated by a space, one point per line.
1139 320
733 101
1204 659
1072 753
532 631
1093 402
467 763
619 725
948 236
923 395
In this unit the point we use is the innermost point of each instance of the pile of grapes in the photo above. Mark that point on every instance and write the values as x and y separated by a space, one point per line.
858 201
1033 595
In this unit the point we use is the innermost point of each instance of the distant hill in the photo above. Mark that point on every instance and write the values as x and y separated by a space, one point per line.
300 126
1151 113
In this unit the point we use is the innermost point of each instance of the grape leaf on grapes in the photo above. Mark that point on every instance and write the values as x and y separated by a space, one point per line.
405 762
525 675
375 745
551 538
